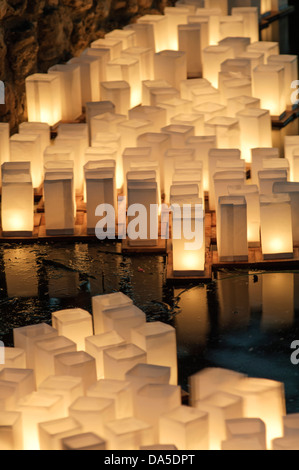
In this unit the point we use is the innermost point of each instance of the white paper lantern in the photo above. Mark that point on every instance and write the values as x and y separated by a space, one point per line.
292 189
145 34
77 364
37 128
242 103
250 17
119 93
106 303
52 432
195 120
268 83
130 131
231 26
120 359
106 122
126 68
155 114
143 374
11 437
190 41
186 86
68 387
117 390
222 5
127 37
27 148
267 178
128 434
213 56
170 66
227 131
134 155
103 56
255 58
43 94
255 130
75 324
160 27
15 358
237 65
171 157
93 413
290 64
95 346
89 71
23 380
239 44
213 16
4 143
245 434
145 56
115 46
176 16
258 155
251 193
150 85
70 84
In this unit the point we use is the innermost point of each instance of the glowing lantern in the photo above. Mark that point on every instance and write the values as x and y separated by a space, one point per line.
153 400
195 120
267 178
103 56
17 204
232 241
223 178
143 374
213 56
250 17
37 128
258 155
160 26
4 143
119 359
210 110
145 34
68 387
145 56
85 441
176 16
213 17
89 72
150 85
11 437
78 144
265 47
175 106
130 131
285 443
134 155
170 66
241 103
155 114
14 358
186 86
59 192
127 69
269 85
220 406
227 131
255 130
171 158
276 226
94 109
231 88
8 396
245 434
106 303
237 65
77 364
265 399
75 324
161 353
115 46
70 83
119 92
95 346
190 41
186 428
204 24
290 64
128 434
214 157
127 37
106 122
205 94
251 193
277 164
291 425
52 432
255 58
239 44
202 145
123 321
27 148
231 26
43 95
292 189
93 413
178 134
117 390
23 380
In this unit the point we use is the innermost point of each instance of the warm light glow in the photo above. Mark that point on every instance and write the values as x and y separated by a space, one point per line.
16 222
276 245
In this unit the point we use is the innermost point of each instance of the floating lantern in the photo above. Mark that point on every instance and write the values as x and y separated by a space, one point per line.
127 37
77 364
251 193
148 337
213 56
95 346
267 178
245 434
185 427
176 16
290 64
27 148
117 390
11 437
128 434
52 432
276 226
43 95
227 131
106 303
115 46
155 114
120 359
75 324
68 387
190 41
160 27
292 189
23 380
89 72
93 413
86 441
250 17
232 241
220 406
266 47
123 321
170 66
145 56
255 130
119 92
70 84
126 69
268 82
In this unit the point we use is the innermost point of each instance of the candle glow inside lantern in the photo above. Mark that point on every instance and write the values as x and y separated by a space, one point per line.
190 41
127 69
119 391
176 16
268 83
130 131
93 413
75 324
27 148
128 434
245 434
52 432
250 17
43 94
103 56
292 189
276 226
123 321
11 437
119 92
241 103
68 387
227 131
70 84
178 134
186 428
119 359
231 88
17 205
84 441
134 155
255 130
148 338
290 64
213 56
251 193
224 177
170 66
258 155
23 380
222 5
37 128
186 86
89 73
232 241
160 27
213 17
145 56
95 346
149 85
195 120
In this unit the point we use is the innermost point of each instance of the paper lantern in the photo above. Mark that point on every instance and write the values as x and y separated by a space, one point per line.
277 164
68 387
36 408
276 226
78 145
258 155
128 434
27 148
175 106
204 23
153 400
160 27
251 193
145 34
134 155
268 83
267 178
266 47
232 241
77 364
4 143
37 128
127 69
89 72
250 17
213 16
186 86
74 323
119 92
130 131
185 427
255 130
155 114
227 131
239 44
237 65
45 352
85 441
106 303
178 134
106 122
95 346
210 110
265 399
8 396
145 56
70 85
143 374
190 41
292 189
148 86
148 338
52 432
183 192
171 157
17 205
190 119
103 55
255 58
14 358
221 406
285 443
291 145
245 434
232 26
215 156
115 46
93 413
43 94
120 359
225 177
23 380
57 153
117 390
176 16
123 321
222 5
11 430
290 64
241 103
202 145
213 56
127 37
231 88
170 66
59 192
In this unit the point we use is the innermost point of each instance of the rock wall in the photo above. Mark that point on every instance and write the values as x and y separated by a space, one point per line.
35 34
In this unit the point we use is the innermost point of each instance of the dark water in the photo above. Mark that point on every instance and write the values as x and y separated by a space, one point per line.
241 321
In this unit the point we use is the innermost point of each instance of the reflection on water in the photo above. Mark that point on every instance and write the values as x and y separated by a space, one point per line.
243 321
